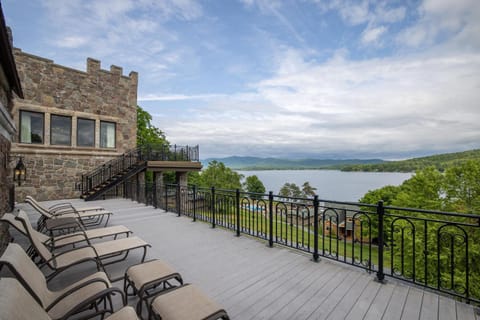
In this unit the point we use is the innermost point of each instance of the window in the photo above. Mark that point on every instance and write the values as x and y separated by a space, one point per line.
107 134
61 130
31 127
85 132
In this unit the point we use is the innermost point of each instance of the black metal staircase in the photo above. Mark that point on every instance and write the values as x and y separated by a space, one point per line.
98 182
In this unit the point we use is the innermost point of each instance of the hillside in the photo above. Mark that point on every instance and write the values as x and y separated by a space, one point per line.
440 161
255 163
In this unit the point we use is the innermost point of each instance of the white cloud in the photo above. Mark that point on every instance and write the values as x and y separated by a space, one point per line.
178 97
376 15
372 35
72 41
399 105
442 21
105 28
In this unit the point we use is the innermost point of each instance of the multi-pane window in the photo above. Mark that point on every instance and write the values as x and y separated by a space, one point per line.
107 134
60 130
85 132
31 127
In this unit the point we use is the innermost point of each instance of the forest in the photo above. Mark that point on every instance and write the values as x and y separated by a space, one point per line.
440 161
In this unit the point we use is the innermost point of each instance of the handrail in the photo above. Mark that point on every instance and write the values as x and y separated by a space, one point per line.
434 249
132 158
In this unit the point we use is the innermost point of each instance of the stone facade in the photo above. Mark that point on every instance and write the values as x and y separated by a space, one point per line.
50 89
9 86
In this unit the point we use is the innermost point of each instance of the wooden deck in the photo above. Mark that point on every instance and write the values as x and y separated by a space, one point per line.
253 281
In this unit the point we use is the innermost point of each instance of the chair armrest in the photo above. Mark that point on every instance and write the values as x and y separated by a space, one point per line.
76 288
84 304
61 204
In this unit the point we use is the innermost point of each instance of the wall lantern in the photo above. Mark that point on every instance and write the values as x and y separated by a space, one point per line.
20 171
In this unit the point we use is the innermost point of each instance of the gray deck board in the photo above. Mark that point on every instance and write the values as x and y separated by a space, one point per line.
413 304
359 310
253 281
379 303
429 306
446 308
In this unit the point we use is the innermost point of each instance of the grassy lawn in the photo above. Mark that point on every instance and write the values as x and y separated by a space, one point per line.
301 237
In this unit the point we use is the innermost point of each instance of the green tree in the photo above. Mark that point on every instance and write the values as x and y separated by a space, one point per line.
219 176
462 187
308 190
147 133
424 245
254 184
424 190
290 190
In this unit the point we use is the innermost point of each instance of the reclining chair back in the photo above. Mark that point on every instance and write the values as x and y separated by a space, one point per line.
38 207
37 243
16 303
23 268
10 219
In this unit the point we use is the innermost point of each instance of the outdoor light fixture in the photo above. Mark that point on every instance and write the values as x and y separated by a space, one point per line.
20 171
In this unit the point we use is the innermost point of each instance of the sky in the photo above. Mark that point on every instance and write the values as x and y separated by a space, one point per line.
293 79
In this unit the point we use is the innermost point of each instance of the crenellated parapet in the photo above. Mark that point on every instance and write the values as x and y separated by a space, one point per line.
74 121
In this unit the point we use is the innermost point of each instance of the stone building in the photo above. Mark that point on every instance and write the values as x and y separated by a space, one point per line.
70 122
9 86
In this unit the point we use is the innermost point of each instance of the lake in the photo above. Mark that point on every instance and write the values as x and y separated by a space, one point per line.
330 184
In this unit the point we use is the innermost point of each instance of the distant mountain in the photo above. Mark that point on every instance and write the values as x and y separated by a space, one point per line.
440 161
255 163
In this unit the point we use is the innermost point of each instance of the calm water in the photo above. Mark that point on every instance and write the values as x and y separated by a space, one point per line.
330 184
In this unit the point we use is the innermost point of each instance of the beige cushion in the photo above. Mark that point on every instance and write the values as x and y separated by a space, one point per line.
141 274
184 303
17 304
119 245
126 313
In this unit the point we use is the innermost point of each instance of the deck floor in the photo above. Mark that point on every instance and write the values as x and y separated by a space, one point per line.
253 281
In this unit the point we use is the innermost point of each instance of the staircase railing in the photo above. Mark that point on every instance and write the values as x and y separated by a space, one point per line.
132 158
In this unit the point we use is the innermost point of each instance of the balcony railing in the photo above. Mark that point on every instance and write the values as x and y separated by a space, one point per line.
433 249
131 158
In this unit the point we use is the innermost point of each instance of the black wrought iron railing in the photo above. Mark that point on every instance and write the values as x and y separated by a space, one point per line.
134 157
433 249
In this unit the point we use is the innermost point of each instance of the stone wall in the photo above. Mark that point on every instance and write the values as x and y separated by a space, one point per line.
6 184
51 89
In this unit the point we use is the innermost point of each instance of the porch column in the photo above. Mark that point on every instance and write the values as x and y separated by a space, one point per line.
141 187
182 181
159 190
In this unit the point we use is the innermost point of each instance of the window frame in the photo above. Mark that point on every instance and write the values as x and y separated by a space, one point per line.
51 132
21 126
94 132
114 135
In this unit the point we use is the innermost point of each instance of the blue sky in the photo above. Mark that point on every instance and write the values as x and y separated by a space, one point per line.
305 78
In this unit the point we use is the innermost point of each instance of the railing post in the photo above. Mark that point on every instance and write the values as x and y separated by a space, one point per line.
154 192
315 228
83 184
212 206
166 197
177 200
194 203
237 210
138 188
270 217
380 213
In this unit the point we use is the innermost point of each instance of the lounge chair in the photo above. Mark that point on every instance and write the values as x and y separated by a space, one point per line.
185 302
74 238
60 206
87 218
93 289
17 304
103 253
